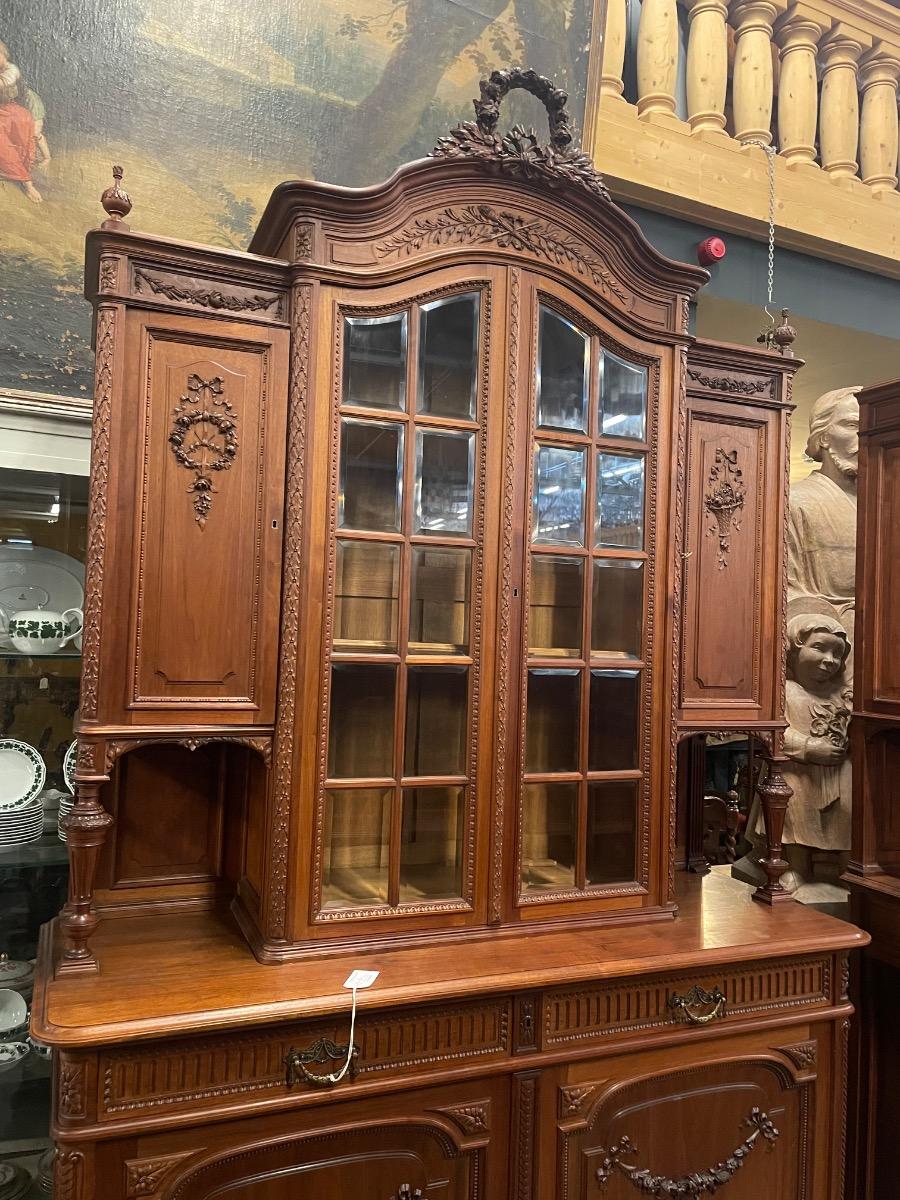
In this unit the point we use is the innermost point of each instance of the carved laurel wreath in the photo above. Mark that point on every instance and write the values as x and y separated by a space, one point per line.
204 437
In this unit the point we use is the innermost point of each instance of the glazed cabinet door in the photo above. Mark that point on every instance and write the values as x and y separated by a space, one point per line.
594 444
751 1117
398 752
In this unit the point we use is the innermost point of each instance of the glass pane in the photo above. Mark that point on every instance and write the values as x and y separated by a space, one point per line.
613 720
361 732
564 363
548 836
439 600
619 519
366 597
436 702
612 809
623 397
375 361
371 475
443 501
357 846
617 609
558 496
554 704
554 620
449 356
431 843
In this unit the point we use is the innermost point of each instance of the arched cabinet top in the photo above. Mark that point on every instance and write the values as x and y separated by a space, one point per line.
442 210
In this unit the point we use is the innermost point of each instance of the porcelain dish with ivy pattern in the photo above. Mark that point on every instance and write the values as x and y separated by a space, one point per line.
22 774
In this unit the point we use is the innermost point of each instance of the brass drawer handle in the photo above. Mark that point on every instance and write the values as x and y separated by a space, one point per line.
405 1192
297 1062
710 1005
698 1183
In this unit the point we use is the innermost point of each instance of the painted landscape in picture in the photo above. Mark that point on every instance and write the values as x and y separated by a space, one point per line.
208 105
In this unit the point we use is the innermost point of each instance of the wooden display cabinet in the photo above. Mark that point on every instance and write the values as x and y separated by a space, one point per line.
396 582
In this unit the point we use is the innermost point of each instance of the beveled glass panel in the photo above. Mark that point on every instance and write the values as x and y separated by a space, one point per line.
371 475
623 397
448 356
619 516
558 496
357 847
366 601
617 607
554 616
431 843
361 729
554 702
439 600
548 836
613 720
436 707
611 829
444 468
564 364
375 361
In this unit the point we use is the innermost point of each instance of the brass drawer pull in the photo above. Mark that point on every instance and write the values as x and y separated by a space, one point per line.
297 1062
698 1183
405 1192
710 1005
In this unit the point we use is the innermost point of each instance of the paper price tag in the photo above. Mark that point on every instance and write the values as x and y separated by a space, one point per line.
361 979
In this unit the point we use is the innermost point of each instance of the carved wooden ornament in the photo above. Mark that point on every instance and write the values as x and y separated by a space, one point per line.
724 499
204 437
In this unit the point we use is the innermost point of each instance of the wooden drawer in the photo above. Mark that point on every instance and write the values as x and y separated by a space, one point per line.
595 1014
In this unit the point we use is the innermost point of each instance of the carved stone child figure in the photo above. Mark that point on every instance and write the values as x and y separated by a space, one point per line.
818 705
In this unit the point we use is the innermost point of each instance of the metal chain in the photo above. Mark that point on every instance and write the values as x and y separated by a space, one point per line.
771 153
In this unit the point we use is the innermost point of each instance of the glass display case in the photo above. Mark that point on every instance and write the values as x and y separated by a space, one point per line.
43 532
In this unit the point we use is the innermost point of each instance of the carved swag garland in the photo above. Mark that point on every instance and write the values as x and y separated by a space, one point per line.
204 437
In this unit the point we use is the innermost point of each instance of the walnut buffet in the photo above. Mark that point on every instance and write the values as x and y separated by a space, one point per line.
419 537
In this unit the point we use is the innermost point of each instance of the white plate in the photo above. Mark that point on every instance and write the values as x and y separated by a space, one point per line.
69 767
12 1053
13 1010
37 577
22 773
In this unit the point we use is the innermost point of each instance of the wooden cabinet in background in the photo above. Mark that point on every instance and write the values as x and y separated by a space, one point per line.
412 537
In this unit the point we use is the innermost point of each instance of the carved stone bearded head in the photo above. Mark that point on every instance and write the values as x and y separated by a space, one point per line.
834 432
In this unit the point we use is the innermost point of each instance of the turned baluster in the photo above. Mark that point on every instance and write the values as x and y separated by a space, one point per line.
879 73
657 58
85 827
707 65
611 80
798 93
839 53
774 794
753 82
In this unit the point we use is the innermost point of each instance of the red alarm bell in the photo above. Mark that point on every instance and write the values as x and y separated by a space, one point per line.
710 250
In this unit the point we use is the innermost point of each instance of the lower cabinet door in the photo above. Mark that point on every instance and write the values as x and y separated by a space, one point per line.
436 1144
710 1121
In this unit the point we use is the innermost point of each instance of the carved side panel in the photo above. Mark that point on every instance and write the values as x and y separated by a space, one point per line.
727 460
209 499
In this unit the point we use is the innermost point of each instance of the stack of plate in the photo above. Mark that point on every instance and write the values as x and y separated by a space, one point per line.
22 824
66 802
65 807
22 775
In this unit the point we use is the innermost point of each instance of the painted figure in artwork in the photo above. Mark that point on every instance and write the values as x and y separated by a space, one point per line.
22 140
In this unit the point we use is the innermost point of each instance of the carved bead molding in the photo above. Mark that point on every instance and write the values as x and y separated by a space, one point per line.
204 437
470 1118
733 384
212 298
508 231
698 1183
803 1055
525 1097
724 499
144 1178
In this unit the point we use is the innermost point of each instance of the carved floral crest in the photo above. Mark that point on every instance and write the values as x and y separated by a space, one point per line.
725 492
204 437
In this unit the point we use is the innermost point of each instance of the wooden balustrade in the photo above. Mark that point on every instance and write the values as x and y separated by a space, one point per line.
832 86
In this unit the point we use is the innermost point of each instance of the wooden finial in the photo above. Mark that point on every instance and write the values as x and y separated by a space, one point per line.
116 202
779 337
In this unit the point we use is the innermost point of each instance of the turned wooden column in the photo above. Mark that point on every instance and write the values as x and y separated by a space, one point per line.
611 81
839 53
85 827
657 57
798 93
879 73
707 65
774 794
752 84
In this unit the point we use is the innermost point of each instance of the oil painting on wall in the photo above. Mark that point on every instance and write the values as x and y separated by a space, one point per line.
208 104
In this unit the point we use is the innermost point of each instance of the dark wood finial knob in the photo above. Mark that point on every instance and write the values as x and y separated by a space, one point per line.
785 335
117 202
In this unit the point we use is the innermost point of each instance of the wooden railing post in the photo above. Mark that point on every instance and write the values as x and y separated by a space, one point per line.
707 65
839 53
798 35
879 73
753 20
611 79
657 58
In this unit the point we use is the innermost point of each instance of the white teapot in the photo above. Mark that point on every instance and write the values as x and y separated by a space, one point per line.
40 631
